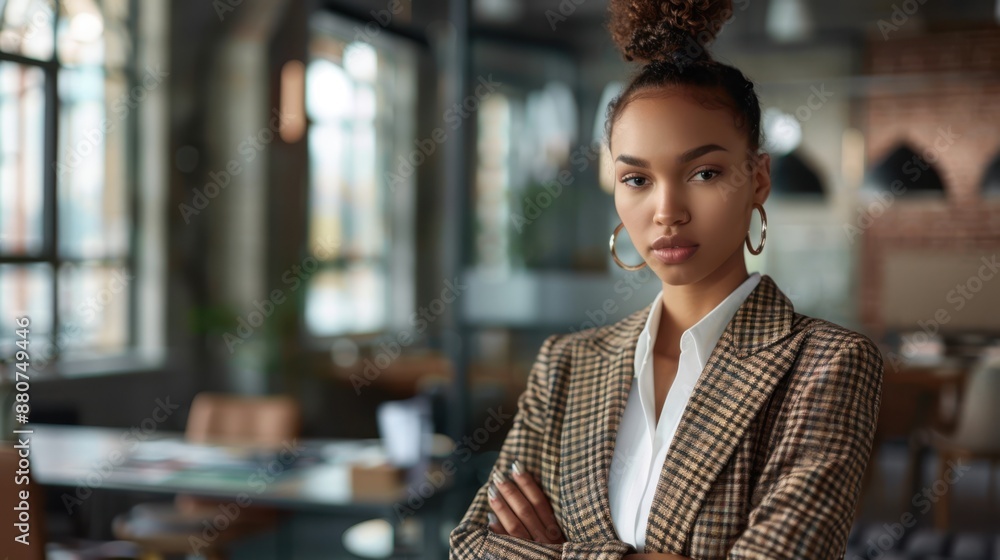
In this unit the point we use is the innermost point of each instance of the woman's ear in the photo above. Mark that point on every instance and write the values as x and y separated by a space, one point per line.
762 178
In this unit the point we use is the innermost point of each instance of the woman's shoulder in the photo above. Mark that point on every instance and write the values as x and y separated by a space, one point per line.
823 334
831 353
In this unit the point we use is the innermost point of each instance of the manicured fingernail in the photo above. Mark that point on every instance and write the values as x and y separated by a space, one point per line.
498 478
515 468
492 491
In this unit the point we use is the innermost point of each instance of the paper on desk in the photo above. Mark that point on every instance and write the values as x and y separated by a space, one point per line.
405 428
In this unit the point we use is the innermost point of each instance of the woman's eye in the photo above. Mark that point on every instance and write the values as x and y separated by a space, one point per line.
642 181
713 174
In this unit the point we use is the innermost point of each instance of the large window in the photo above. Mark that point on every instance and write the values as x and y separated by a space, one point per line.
69 91
360 111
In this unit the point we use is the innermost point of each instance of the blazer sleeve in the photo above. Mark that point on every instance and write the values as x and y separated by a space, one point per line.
472 538
811 479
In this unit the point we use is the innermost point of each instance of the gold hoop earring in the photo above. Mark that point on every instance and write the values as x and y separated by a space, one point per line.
763 231
614 254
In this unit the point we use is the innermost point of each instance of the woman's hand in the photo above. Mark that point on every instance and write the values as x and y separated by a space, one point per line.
521 509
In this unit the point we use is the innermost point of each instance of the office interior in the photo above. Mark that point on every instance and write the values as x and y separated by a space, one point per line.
266 266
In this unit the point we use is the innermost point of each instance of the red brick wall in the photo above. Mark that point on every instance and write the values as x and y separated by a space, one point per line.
942 82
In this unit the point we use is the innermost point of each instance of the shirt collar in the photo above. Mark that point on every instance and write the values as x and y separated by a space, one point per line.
703 335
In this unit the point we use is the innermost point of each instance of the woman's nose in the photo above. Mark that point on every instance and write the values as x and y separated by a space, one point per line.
671 208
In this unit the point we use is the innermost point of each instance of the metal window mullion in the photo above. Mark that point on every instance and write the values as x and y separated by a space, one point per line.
132 179
23 260
51 176
50 199
457 69
347 185
25 60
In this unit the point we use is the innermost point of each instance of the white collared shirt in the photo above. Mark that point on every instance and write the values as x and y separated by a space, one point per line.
641 445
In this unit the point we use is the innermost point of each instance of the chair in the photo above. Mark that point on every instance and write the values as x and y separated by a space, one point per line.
229 419
213 419
977 435
913 399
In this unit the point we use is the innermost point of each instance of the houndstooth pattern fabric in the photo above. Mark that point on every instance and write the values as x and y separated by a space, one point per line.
767 460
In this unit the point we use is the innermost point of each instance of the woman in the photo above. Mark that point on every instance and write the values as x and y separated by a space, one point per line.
717 422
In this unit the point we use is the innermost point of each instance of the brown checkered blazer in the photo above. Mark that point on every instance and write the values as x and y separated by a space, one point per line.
766 463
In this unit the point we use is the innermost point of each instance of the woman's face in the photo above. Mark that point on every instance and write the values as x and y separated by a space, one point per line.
685 170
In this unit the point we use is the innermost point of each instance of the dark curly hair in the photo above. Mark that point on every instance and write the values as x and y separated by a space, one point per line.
671 38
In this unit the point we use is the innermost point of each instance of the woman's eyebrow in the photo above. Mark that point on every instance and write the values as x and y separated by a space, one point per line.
698 152
632 160
683 158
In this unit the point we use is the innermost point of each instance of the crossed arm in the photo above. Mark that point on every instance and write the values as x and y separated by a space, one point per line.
521 509
525 526
804 503
473 538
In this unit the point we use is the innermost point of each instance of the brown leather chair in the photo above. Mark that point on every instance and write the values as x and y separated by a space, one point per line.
214 419
231 419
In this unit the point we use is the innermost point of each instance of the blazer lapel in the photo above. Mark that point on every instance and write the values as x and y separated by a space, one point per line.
739 377
616 350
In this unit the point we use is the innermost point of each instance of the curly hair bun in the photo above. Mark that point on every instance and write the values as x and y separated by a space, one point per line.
649 30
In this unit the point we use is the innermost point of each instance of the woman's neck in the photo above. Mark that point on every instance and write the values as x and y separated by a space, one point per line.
683 306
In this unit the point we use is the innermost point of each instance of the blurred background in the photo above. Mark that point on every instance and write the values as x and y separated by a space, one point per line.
273 272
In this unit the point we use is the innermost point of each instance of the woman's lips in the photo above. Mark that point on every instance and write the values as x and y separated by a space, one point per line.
675 255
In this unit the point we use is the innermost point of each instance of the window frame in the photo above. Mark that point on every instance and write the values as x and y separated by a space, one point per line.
130 358
398 260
